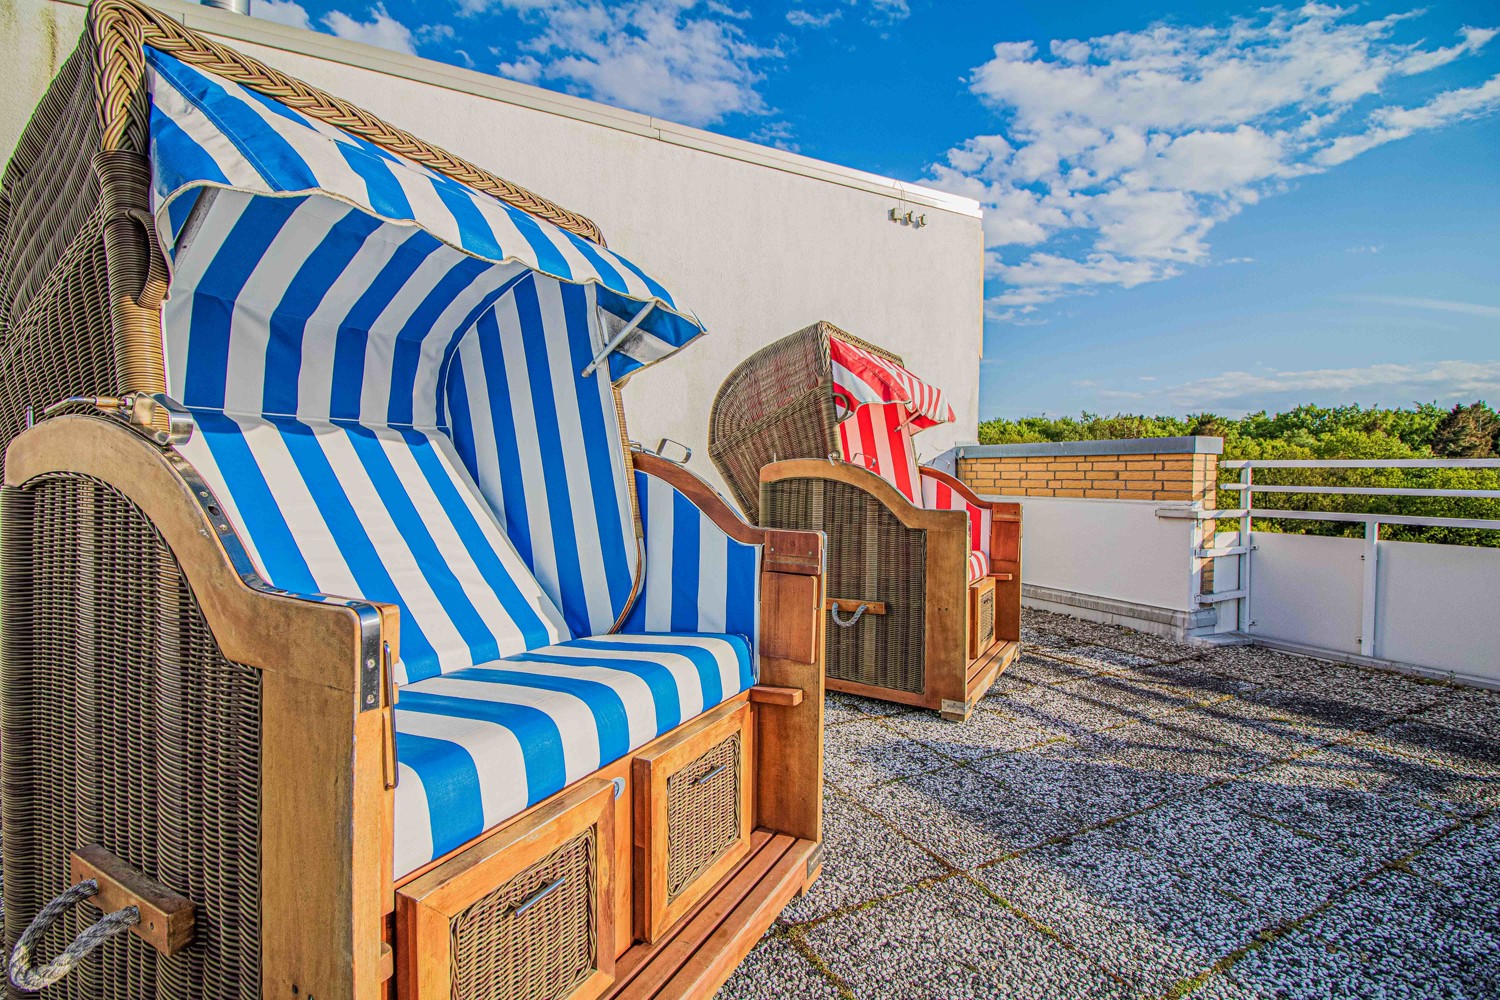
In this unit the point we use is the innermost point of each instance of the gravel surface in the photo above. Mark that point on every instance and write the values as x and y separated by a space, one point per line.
1126 816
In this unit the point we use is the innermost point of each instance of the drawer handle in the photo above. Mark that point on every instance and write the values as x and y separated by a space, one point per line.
705 778
538 896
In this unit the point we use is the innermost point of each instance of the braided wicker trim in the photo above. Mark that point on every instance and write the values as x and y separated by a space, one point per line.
120 28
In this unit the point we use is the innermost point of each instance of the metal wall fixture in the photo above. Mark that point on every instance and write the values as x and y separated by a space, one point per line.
908 218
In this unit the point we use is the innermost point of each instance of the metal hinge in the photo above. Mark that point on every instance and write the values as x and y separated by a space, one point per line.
142 412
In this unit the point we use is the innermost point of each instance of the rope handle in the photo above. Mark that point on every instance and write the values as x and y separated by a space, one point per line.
859 613
30 978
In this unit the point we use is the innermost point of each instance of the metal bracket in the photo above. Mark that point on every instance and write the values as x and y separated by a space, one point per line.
140 412
661 447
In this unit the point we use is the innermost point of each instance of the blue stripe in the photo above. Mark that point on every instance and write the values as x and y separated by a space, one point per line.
743 589
663 686
548 257
407 351
686 528
590 251
702 659
213 300
177 159
507 451
541 742
354 329
280 557
603 701
303 296
451 781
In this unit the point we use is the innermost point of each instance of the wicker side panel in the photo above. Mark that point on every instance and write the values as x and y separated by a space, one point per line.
55 325
703 813
522 942
872 556
124 726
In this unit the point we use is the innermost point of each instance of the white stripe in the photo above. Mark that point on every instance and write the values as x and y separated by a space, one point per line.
198 454
723 652
413 822
495 750
428 406
380 346
713 576
189 267
571 714
168 100
684 673
658 595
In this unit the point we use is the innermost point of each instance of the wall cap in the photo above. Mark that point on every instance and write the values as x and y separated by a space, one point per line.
1189 445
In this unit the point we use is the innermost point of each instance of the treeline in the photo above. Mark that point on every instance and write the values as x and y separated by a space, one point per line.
1424 430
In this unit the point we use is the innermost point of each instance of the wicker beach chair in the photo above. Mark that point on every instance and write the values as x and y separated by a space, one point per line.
349 651
815 431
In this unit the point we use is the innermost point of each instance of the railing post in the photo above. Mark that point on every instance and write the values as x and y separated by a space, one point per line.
1371 582
1247 501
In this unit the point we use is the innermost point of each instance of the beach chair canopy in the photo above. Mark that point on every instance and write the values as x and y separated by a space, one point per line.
861 376
407 391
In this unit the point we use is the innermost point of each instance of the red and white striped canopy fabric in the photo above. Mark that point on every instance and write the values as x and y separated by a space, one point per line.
862 377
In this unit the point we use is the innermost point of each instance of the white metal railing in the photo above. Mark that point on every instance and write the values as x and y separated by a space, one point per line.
1247 511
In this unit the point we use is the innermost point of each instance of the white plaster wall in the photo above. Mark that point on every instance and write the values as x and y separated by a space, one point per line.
1116 549
757 249
1436 607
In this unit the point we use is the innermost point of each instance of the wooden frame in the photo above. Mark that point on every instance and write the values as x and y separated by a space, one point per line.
655 911
954 680
426 906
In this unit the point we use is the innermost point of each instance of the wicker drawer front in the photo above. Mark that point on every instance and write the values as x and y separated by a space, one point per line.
693 814
981 617
525 914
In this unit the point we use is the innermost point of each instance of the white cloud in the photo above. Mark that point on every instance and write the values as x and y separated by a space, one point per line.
778 133
799 18
1439 305
381 30
286 12
1440 379
672 58
1124 151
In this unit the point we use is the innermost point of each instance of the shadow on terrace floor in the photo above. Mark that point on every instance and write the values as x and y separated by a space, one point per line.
1126 816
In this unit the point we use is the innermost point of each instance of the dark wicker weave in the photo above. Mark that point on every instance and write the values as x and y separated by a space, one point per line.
81 274
872 556
124 727
505 949
703 813
778 403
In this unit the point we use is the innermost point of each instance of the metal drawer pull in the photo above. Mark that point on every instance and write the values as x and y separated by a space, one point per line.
704 778
538 896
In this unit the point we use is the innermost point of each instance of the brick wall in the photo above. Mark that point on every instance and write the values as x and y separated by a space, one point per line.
1165 475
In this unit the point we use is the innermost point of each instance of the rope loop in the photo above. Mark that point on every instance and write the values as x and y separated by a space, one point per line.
859 613
31 978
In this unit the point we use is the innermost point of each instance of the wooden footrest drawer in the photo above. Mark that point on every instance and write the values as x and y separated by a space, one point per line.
525 913
981 616
693 815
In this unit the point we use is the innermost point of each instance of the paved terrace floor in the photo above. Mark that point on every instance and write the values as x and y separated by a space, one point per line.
1126 816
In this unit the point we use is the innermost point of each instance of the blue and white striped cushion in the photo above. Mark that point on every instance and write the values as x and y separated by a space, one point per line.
381 514
698 579
479 745
560 489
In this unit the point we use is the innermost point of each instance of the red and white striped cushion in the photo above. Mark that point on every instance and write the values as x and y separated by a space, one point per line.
979 566
938 495
877 438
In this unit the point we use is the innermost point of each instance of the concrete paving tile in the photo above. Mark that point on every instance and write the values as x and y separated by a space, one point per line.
1108 658
953 942
1142 700
775 968
1258 728
1457 750
1067 777
1394 936
1145 923
865 753
1466 863
1269 866
1371 767
1327 689
1382 827
984 734
838 709
1162 746
1034 668
1079 632
1062 710
862 858
965 817
1471 710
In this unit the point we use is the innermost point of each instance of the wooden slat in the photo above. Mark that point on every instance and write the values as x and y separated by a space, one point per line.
848 605
167 916
719 955
639 960
767 694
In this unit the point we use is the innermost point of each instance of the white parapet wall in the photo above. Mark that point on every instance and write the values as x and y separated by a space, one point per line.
758 241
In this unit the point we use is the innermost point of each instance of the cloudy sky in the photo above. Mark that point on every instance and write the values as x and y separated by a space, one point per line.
1188 206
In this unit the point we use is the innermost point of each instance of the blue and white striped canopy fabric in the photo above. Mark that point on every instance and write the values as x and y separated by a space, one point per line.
479 745
698 579
209 132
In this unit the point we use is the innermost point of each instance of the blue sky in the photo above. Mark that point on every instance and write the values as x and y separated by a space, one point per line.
1189 206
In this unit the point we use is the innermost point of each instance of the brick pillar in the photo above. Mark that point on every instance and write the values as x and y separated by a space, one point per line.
1184 468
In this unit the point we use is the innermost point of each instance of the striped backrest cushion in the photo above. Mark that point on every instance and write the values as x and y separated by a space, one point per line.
938 495
383 514
877 438
698 579
560 486
303 309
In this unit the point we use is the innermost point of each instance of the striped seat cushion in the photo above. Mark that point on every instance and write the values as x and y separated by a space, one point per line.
877 437
476 746
979 566
938 495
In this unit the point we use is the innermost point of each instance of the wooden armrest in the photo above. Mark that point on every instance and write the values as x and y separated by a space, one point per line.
768 694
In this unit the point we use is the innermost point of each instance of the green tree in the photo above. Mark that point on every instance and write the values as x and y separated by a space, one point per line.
1471 431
